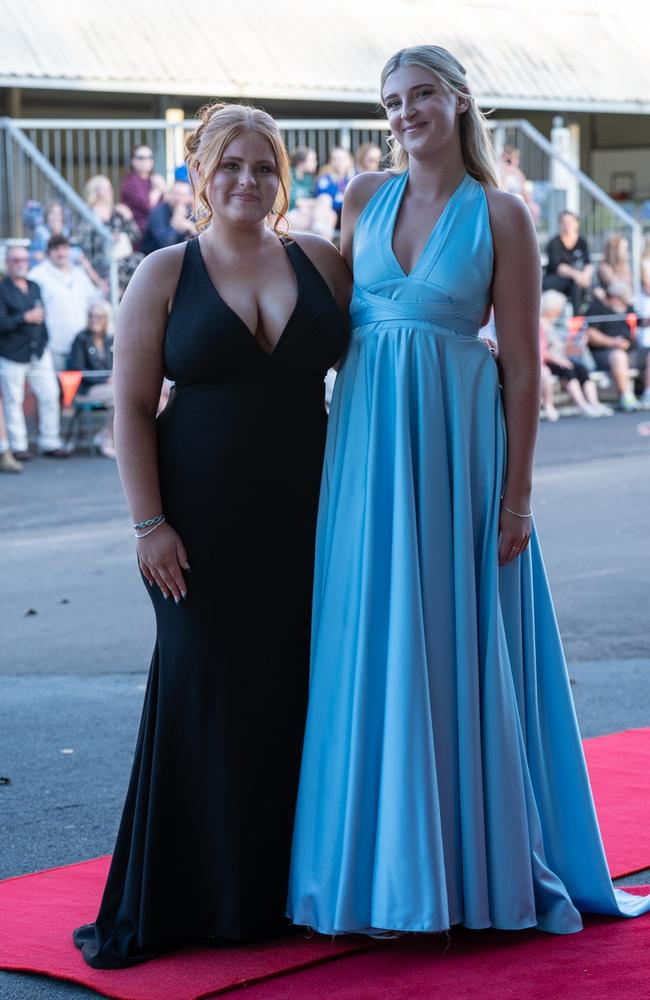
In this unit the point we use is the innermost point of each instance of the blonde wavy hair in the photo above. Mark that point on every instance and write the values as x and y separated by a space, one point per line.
475 139
217 125
93 186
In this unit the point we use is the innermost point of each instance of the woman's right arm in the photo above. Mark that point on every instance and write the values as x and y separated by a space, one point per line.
137 380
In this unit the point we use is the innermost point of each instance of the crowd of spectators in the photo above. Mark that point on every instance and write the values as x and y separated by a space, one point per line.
54 309
590 320
317 195
54 312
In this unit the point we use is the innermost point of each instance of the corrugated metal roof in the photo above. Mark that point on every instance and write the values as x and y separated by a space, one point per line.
580 54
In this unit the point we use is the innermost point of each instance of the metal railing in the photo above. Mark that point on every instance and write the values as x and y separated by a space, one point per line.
78 149
27 175
81 148
555 185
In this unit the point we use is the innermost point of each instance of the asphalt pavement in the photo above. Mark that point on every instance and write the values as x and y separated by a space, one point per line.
77 630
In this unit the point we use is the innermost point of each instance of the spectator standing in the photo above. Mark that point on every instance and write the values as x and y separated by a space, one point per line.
367 158
142 189
569 269
24 354
573 375
66 293
119 220
610 341
615 265
8 461
170 222
92 351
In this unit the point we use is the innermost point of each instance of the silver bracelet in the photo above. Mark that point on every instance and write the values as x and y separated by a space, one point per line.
158 519
515 512
149 531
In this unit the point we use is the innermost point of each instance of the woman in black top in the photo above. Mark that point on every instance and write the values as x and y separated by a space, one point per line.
246 324
569 269
92 351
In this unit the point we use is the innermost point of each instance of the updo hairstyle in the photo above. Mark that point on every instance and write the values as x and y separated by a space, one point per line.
217 125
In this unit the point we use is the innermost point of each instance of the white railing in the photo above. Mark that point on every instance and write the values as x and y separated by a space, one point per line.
78 149
556 185
27 175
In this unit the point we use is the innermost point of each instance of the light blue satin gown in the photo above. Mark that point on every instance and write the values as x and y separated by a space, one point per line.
443 780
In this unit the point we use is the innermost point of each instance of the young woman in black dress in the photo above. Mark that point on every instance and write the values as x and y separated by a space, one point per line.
246 323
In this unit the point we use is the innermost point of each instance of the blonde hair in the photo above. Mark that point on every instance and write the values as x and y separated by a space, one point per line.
612 248
101 305
92 187
218 124
363 150
475 140
552 301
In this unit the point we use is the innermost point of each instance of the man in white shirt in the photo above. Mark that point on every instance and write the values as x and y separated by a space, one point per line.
67 294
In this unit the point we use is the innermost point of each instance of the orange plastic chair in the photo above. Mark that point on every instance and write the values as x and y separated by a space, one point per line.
70 382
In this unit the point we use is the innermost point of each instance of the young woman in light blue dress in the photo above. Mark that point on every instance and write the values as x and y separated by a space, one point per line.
443 780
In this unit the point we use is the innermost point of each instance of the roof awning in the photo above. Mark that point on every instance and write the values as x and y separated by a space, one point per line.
518 53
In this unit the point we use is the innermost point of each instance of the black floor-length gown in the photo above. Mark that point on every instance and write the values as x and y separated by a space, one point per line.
204 842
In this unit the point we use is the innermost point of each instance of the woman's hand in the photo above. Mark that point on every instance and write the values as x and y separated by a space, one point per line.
557 359
514 532
124 211
162 559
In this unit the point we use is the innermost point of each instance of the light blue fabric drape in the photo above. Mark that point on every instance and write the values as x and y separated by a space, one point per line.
443 779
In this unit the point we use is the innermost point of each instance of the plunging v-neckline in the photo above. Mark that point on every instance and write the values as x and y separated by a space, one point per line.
251 336
434 230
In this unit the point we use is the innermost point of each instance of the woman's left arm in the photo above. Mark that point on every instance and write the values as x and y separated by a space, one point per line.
516 286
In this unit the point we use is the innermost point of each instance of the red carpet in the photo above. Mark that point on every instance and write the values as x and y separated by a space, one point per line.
607 961
619 768
38 913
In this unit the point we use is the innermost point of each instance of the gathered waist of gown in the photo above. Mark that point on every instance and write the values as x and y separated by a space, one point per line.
371 313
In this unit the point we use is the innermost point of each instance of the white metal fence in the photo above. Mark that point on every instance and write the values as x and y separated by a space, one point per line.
28 182
44 156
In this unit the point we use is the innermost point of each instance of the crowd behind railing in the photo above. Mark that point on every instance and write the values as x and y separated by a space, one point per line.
55 315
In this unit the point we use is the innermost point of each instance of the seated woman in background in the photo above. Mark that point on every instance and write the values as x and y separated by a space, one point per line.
330 188
514 180
54 223
573 375
615 265
643 330
306 213
100 197
92 351
367 158
304 164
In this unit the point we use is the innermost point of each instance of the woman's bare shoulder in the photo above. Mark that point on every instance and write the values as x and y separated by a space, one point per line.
325 258
159 271
506 211
362 187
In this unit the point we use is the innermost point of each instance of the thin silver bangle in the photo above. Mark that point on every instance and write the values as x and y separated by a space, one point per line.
145 533
515 512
